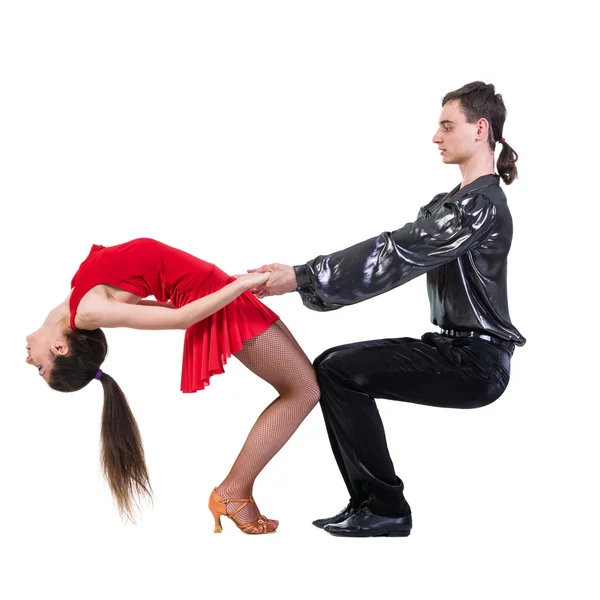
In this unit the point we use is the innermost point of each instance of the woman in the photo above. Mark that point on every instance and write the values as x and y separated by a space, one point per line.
221 318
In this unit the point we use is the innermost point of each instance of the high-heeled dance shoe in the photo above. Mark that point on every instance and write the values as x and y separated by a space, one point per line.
217 505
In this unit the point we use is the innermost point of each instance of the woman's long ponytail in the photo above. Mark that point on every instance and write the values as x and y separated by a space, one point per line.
122 452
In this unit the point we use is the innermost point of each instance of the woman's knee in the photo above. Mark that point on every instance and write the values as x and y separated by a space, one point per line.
303 385
305 391
313 392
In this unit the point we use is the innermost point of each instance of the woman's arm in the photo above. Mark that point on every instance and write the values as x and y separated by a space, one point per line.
109 313
155 303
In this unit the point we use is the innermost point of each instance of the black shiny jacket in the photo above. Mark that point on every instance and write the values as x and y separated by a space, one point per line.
460 239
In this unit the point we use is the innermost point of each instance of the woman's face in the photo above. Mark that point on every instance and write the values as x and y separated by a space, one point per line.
43 347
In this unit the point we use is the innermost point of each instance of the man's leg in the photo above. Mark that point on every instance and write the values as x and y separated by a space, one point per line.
355 495
436 371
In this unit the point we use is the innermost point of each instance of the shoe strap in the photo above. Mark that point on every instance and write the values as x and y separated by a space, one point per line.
227 499
245 527
244 501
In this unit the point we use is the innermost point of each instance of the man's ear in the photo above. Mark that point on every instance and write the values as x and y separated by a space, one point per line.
483 128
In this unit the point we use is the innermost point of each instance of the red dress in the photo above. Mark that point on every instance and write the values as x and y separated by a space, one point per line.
146 267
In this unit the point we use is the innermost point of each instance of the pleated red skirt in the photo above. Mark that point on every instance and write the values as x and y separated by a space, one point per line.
209 343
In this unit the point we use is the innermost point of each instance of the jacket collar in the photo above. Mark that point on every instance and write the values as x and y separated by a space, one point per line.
480 182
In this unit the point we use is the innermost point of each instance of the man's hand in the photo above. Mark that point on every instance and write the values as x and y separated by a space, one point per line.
282 280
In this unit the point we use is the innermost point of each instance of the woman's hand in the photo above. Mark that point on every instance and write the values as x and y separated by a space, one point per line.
281 281
252 280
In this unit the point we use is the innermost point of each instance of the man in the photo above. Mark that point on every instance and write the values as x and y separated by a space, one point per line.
461 240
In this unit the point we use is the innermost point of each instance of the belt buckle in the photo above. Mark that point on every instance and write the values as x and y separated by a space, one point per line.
456 334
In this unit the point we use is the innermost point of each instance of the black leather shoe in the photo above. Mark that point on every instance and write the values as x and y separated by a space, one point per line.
341 516
364 523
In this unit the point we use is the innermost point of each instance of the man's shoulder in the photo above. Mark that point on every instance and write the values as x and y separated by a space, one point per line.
485 190
425 211
481 201
486 185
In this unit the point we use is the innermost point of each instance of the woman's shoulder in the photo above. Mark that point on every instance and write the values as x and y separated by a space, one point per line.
90 306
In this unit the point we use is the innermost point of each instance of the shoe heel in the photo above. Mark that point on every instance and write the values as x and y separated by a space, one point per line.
217 505
218 526
399 533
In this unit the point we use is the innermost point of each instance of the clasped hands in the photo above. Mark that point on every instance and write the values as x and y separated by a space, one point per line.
281 279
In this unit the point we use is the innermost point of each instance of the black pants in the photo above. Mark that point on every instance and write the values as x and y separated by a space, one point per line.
435 370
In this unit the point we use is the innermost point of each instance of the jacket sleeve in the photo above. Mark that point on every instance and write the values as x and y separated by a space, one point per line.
390 259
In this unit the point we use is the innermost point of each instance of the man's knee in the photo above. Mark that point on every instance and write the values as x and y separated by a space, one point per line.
329 364
488 394
317 362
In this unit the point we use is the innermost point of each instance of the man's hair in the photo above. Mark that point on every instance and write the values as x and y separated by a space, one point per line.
478 100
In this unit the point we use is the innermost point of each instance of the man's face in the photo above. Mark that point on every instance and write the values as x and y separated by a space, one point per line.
455 138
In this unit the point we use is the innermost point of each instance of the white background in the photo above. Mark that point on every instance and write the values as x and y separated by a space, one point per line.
256 132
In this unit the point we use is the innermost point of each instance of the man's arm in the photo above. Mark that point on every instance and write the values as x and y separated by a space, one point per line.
390 259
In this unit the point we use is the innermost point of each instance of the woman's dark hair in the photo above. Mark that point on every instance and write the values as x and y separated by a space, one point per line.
122 452
478 100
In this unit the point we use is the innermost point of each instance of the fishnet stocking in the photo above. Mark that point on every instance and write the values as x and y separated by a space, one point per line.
276 357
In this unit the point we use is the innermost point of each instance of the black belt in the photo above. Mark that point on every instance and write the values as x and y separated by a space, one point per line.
508 346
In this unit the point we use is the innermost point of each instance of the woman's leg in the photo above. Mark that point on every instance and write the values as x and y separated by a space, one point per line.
276 357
